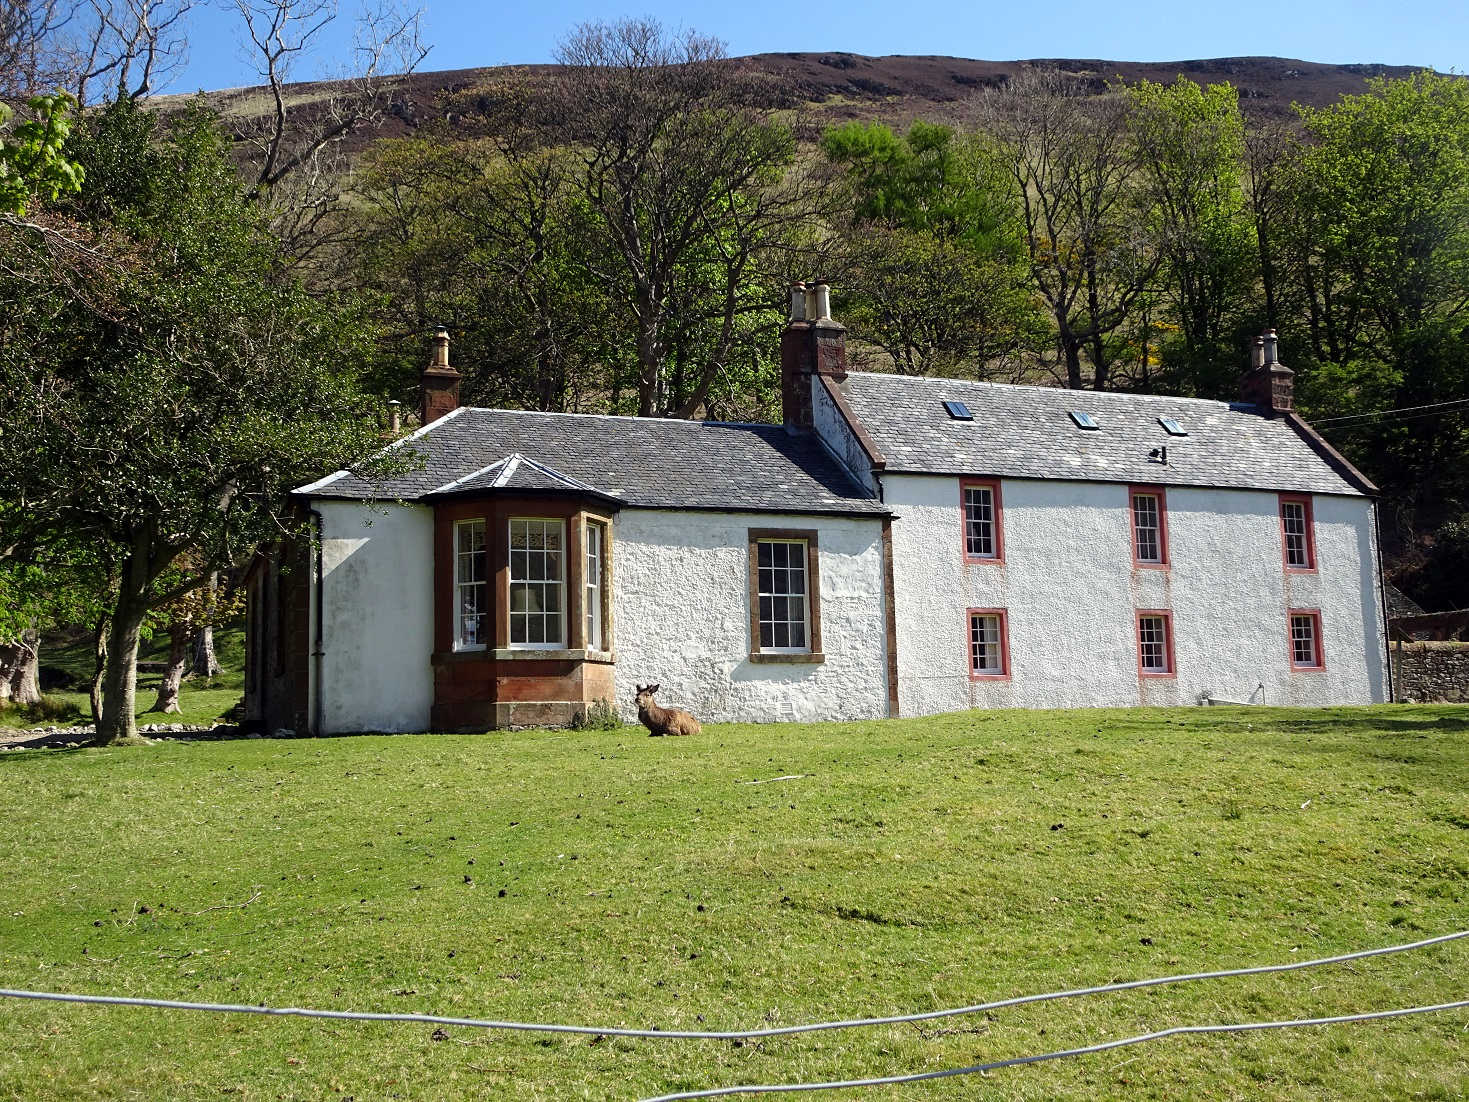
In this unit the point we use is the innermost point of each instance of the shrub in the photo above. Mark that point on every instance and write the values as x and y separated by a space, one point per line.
600 715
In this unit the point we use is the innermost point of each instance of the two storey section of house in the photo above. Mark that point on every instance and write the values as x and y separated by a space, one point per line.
1074 548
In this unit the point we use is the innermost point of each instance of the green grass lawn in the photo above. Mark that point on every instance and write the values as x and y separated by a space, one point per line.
609 878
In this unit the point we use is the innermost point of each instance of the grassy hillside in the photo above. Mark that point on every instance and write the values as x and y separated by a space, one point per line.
754 874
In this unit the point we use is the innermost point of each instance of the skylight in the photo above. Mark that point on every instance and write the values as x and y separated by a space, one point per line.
1084 420
1172 427
959 411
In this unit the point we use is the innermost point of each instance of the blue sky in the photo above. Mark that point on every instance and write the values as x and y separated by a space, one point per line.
466 33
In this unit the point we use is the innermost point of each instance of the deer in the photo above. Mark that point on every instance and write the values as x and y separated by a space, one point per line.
662 721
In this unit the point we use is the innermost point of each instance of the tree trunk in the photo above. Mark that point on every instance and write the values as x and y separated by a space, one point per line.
204 663
20 664
119 724
173 676
99 651
1071 346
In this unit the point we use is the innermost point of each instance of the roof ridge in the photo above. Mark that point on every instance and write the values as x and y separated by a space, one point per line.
617 417
1108 394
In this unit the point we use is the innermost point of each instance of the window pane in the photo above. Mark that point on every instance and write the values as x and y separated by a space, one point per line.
1303 641
1153 643
1147 528
979 521
986 655
1297 545
781 594
536 579
471 593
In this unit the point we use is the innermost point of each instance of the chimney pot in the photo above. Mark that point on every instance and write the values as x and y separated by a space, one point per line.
798 302
823 302
1257 353
1271 347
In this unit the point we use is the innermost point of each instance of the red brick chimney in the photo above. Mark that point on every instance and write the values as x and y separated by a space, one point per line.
1268 383
812 344
439 382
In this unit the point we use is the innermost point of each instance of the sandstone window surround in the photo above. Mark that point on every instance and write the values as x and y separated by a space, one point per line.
785 595
1306 650
522 563
1297 534
1155 643
1149 514
982 520
989 644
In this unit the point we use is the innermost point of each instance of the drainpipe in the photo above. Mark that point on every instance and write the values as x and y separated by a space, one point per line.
318 649
1392 689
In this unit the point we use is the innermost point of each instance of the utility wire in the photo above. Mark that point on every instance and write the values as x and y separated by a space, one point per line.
976 1069
709 1035
1435 408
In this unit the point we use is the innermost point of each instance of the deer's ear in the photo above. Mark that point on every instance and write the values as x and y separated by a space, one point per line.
654 688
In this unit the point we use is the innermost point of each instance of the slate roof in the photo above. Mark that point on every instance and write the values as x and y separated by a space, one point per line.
648 462
1027 432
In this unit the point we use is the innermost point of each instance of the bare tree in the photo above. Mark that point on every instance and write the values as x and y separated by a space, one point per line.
131 45
298 166
34 57
690 184
1071 168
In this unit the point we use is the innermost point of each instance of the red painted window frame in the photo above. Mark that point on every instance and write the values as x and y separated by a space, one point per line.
994 486
1137 642
1004 615
1162 495
1305 501
1290 640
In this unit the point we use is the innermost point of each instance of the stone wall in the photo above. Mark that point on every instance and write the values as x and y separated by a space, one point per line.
1431 672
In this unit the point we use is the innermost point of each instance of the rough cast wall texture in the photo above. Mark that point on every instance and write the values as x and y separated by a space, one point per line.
377 567
1431 672
1071 592
681 618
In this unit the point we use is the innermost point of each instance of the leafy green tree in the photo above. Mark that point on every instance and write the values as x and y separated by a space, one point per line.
1190 143
1378 246
172 409
932 248
31 159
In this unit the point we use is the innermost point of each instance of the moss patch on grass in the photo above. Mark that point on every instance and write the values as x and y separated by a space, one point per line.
755 874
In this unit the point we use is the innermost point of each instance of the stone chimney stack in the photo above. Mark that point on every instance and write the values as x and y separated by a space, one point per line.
1268 383
812 344
439 382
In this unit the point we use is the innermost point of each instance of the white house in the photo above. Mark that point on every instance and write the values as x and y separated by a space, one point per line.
899 546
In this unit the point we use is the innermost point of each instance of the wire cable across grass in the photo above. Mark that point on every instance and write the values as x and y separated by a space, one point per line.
720 1035
976 1069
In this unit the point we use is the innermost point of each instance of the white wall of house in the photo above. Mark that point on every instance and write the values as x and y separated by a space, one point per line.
682 618
377 603
1071 591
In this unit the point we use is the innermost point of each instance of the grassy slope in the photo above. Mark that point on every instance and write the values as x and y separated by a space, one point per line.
200 702
609 878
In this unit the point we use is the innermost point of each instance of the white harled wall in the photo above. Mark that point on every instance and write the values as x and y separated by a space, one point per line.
377 602
1071 591
682 618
